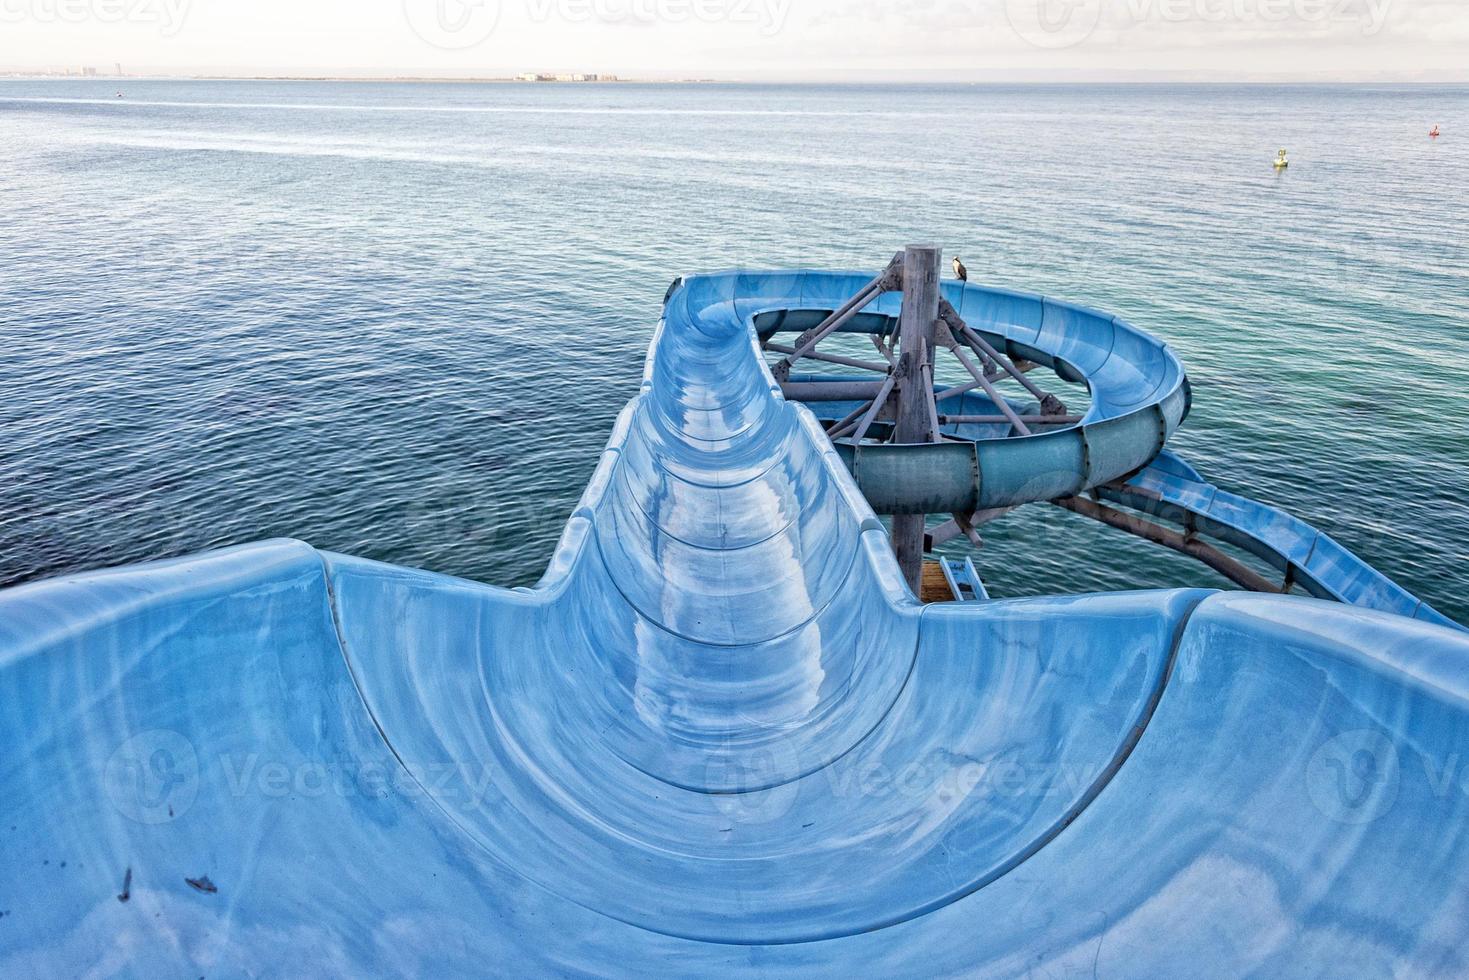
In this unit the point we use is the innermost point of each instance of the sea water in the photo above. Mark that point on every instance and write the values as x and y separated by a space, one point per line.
398 320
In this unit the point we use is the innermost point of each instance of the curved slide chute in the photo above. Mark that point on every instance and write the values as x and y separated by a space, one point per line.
1139 394
720 737
1172 489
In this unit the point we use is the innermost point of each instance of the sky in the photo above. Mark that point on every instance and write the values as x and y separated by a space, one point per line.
835 40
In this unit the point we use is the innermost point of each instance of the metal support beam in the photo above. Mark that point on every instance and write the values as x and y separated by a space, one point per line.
875 408
1005 420
916 326
977 374
1186 544
963 389
961 330
840 428
831 391
887 280
950 529
933 406
965 525
817 355
807 342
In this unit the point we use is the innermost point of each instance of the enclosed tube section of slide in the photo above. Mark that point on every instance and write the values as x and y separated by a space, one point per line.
1138 390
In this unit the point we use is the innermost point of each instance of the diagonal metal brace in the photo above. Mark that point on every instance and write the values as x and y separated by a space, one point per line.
890 279
1050 404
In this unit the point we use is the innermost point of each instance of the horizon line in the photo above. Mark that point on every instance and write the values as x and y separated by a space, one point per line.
1135 77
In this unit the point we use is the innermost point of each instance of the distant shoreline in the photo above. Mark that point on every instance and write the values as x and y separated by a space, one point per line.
18 75
367 79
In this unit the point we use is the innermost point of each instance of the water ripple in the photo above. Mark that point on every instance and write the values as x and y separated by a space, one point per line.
399 320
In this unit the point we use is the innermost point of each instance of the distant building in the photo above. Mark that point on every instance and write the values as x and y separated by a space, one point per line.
530 76
89 72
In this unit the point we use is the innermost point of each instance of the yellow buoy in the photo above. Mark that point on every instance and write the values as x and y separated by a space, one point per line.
1281 161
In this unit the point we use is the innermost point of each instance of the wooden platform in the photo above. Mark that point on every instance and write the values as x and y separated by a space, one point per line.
935 586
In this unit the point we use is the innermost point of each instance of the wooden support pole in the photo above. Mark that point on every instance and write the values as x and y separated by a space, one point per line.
908 529
917 323
916 327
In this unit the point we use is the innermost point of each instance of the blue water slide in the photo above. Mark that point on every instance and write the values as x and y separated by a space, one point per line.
1138 389
1172 489
720 737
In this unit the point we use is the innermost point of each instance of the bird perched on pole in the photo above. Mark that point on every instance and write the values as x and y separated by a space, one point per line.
961 273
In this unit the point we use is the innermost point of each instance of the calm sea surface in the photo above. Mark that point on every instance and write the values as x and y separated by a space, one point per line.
399 320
